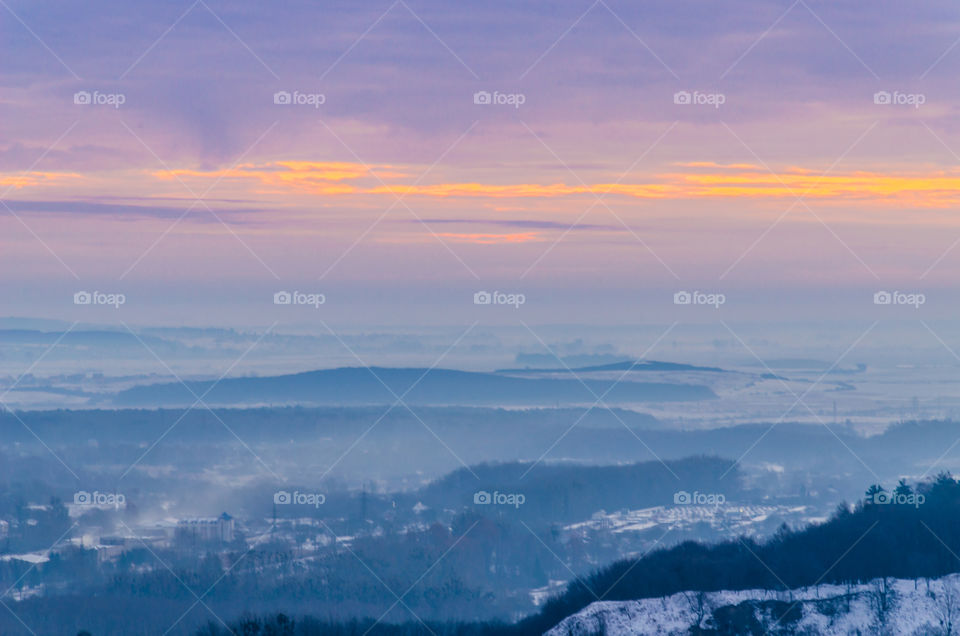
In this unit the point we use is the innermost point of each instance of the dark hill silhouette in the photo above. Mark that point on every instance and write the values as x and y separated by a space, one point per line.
358 385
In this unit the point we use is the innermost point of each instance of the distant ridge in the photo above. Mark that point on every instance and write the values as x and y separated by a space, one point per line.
377 385
639 365
79 337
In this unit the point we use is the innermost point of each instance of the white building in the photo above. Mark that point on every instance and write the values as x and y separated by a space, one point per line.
206 530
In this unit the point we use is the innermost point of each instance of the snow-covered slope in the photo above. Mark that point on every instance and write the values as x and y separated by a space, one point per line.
890 606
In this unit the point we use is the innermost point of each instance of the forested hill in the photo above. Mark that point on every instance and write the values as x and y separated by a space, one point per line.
902 540
565 492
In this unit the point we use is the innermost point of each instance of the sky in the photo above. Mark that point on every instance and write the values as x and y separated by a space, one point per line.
595 157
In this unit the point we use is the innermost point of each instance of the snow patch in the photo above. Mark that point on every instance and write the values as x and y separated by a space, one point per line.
921 606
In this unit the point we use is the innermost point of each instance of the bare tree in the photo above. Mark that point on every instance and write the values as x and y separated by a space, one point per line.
700 608
882 598
946 598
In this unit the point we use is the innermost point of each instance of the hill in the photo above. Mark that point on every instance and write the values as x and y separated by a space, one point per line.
566 492
891 606
376 385
623 365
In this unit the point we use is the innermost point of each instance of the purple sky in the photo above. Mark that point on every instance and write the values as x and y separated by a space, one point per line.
788 183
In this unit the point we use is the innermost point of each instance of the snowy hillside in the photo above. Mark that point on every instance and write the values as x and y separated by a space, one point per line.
891 606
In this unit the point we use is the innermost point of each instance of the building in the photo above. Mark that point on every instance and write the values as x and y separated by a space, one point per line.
206 530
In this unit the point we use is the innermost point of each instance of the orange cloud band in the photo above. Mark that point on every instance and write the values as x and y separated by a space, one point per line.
704 180
695 180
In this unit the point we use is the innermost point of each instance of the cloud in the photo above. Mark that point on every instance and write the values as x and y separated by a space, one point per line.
316 177
128 211
524 223
932 188
476 238
34 178
206 91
